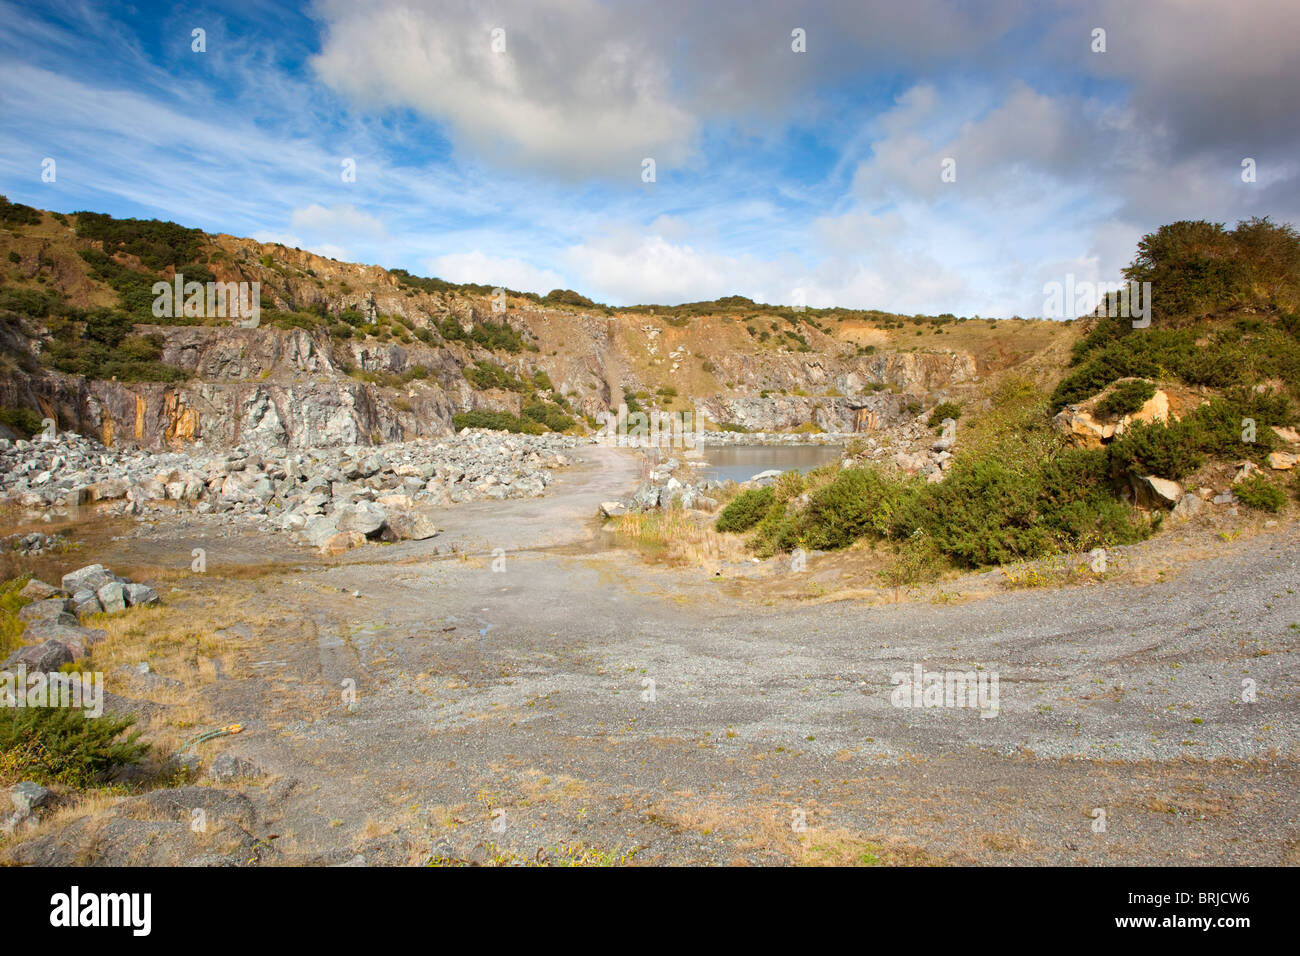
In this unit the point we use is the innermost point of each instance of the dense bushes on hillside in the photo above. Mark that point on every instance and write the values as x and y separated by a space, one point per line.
16 214
157 243
1214 430
487 375
498 421
98 343
1018 492
496 336
547 414
1242 353
1127 398
568 297
1199 269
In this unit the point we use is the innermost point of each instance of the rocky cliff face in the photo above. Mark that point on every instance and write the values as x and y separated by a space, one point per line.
295 388
863 413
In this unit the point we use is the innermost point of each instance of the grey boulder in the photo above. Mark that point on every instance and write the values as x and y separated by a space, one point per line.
92 578
46 657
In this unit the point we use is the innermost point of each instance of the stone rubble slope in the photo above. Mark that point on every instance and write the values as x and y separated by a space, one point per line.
384 491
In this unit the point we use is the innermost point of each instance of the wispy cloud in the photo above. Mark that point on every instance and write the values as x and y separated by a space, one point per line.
776 170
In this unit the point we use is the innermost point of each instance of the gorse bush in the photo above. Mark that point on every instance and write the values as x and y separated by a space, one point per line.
1258 492
1217 429
1153 449
548 415
1126 398
487 375
858 502
99 345
25 421
745 510
568 297
16 214
497 336
944 410
11 602
62 745
156 243
498 421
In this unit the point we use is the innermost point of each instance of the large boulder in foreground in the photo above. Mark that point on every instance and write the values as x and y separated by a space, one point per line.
51 609
90 578
46 657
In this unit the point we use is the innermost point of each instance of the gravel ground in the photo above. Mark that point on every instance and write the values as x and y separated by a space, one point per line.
505 709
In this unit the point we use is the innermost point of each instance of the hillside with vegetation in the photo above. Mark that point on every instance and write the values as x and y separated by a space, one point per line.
1062 424
1222 352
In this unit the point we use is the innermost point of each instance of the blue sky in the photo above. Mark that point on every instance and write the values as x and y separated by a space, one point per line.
779 174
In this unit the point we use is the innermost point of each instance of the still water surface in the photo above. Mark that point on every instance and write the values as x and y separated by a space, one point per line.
742 462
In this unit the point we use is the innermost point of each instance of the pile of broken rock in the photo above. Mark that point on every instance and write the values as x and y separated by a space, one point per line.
346 494
53 633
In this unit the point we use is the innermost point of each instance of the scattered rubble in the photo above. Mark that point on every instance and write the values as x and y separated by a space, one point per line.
381 491
53 635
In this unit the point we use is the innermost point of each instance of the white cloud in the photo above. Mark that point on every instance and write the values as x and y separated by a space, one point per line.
478 267
336 222
572 93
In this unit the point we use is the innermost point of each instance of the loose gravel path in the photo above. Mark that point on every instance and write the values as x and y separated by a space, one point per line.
520 691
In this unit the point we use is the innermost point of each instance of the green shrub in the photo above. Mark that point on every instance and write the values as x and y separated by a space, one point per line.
497 421
11 603
987 512
944 410
549 415
1258 492
158 244
568 297
1151 448
62 745
24 421
16 214
1126 398
779 531
36 303
1212 430
745 510
498 337
982 513
485 375
858 502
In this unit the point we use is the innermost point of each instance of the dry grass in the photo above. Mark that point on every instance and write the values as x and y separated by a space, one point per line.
179 643
1188 804
677 538
767 828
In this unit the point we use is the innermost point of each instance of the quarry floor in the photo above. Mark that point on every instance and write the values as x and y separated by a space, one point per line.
515 690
